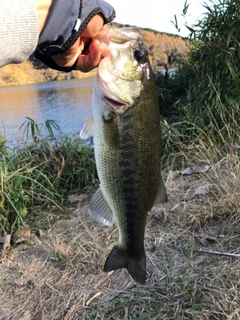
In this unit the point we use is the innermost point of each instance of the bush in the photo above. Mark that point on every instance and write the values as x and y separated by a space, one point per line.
202 98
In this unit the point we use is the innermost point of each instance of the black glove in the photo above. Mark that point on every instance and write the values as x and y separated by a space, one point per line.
65 23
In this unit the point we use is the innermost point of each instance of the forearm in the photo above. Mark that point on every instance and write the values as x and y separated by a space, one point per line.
19 30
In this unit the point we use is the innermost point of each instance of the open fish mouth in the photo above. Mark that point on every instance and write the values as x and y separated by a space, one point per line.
113 102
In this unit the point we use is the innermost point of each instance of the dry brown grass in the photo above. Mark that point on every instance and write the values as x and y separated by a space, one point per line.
59 276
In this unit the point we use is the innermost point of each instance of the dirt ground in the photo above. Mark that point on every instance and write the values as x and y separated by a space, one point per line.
59 275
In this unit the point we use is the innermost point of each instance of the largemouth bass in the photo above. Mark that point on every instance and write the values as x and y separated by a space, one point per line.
127 148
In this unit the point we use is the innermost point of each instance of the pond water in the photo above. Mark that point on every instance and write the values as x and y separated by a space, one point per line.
67 102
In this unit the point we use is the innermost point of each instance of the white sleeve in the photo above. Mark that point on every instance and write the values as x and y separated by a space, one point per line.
18 30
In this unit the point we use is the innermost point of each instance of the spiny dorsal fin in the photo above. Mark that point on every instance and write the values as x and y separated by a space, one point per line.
88 129
99 209
162 193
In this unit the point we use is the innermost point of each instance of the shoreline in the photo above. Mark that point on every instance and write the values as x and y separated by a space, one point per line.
26 73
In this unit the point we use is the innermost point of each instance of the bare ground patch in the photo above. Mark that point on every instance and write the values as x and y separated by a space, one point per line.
59 275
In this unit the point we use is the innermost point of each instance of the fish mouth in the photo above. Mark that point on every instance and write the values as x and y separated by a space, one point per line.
114 102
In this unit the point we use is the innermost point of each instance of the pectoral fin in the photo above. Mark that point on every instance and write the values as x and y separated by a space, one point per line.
88 129
162 193
99 209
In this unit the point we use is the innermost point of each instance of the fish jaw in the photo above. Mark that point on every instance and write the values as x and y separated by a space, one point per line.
117 105
106 86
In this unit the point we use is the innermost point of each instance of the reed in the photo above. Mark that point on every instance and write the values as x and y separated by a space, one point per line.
202 98
43 172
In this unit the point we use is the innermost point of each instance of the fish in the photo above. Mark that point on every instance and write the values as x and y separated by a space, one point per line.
126 125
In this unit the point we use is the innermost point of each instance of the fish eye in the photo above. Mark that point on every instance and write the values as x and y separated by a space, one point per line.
138 55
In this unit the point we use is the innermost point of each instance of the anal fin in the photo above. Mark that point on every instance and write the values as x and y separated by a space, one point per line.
99 209
162 193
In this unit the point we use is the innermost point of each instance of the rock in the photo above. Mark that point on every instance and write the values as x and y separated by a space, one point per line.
21 235
160 216
39 233
5 241
77 198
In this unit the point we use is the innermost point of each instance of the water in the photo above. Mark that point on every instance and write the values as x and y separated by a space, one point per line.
67 102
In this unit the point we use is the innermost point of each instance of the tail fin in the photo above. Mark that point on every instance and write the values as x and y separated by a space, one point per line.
119 258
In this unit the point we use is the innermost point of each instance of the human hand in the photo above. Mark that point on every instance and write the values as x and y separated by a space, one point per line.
86 49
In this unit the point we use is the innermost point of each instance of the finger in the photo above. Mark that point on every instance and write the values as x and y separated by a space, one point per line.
68 58
90 61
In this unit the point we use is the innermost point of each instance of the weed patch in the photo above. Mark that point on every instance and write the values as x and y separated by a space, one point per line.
42 173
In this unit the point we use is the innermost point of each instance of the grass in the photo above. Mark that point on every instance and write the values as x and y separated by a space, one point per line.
42 173
201 100
59 276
